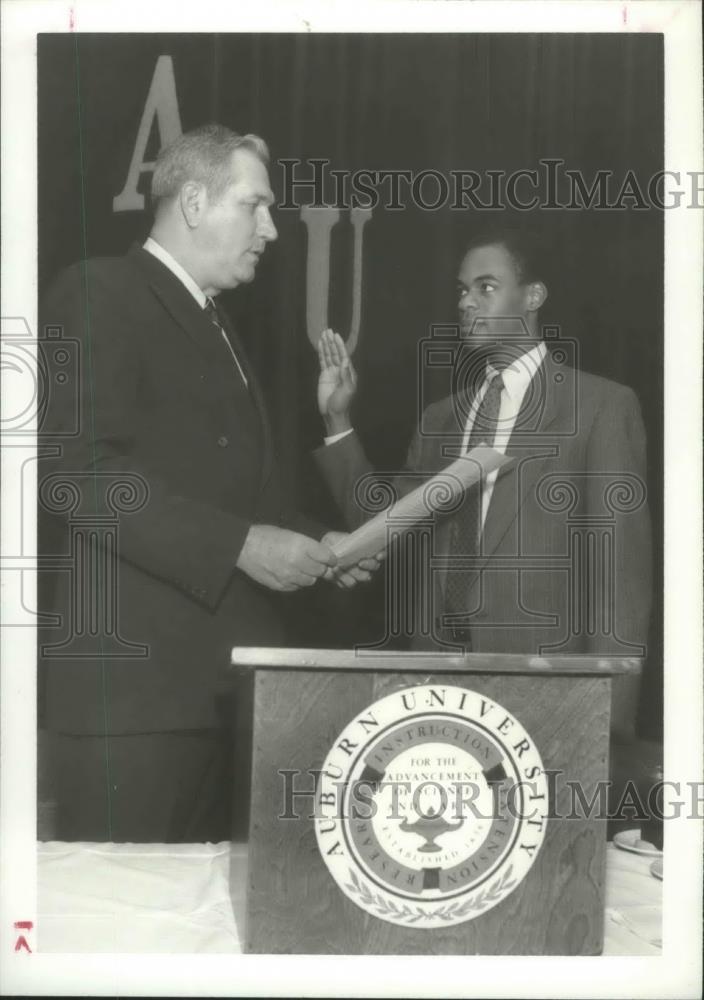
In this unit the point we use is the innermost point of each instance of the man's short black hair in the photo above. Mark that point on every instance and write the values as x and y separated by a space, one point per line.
527 247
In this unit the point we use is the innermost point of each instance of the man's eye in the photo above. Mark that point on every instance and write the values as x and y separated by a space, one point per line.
487 287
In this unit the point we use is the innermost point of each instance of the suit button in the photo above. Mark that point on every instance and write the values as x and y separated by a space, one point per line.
222 441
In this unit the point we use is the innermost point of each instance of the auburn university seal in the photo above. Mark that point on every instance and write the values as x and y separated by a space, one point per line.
431 806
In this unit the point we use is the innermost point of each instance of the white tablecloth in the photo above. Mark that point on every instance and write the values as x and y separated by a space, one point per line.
189 898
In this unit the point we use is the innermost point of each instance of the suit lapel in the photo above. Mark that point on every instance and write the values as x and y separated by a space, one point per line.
194 324
545 408
255 391
180 305
448 445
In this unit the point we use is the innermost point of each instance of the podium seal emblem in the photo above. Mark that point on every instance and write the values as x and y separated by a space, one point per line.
431 806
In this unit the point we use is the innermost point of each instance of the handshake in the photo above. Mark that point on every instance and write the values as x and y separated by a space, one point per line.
286 560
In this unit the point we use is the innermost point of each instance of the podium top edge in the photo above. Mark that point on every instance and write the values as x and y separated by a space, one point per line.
369 661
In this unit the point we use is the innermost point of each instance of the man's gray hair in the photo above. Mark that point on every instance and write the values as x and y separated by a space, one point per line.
201 155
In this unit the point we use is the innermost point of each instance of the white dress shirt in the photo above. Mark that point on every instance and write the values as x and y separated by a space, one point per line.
517 377
157 250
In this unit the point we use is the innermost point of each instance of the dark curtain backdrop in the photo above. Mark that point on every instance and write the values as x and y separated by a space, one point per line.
414 102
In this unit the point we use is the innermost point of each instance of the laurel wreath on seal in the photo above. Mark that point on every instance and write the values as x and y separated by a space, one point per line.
411 914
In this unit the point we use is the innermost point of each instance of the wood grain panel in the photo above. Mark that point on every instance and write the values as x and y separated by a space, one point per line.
294 904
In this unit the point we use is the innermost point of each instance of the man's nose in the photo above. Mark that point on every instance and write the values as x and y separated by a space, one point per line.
266 227
467 300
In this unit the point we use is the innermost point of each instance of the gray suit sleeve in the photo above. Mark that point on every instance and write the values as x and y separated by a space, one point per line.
353 481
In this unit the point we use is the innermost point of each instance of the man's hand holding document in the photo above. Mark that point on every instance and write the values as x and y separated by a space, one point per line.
438 494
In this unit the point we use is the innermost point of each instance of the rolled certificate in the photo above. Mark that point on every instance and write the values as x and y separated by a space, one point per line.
439 494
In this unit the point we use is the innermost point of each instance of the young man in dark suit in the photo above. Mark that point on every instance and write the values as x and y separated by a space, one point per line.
551 554
174 448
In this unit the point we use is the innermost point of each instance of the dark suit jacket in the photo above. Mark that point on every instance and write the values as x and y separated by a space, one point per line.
161 400
576 438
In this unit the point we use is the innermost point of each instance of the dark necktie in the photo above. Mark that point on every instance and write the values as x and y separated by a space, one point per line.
467 526
217 320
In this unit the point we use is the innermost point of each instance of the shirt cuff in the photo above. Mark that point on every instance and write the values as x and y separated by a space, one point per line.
337 437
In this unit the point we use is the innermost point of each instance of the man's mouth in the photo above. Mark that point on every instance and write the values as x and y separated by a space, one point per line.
469 321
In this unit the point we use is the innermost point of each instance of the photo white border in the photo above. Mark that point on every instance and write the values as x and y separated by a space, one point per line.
677 973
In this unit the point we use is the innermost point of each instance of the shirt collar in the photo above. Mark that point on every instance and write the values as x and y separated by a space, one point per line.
518 375
157 250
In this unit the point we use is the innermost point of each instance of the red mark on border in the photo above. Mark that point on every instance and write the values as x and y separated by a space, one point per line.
71 19
21 942
624 15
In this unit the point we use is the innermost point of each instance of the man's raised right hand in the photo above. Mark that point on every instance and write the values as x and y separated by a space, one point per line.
283 560
337 383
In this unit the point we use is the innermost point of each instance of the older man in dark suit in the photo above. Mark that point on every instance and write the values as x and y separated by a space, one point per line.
171 410
551 553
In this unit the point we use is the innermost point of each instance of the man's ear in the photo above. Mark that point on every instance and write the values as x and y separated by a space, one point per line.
537 294
192 198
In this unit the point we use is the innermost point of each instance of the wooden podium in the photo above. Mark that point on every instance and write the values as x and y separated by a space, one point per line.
407 803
